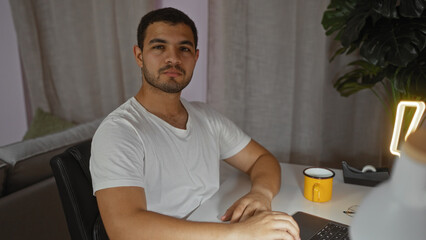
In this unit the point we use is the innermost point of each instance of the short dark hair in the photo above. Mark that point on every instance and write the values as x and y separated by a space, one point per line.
168 15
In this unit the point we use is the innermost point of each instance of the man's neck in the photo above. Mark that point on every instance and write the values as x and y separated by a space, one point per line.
166 106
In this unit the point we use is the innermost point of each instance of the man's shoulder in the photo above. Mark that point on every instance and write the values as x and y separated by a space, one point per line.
126 108
201 107
128 111
196 104
124 118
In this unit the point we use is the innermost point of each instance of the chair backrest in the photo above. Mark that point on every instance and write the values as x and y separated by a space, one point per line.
72 175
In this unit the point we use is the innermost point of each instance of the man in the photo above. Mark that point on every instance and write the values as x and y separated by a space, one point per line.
156 158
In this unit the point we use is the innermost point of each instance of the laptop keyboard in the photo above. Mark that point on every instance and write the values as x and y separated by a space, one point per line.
332 231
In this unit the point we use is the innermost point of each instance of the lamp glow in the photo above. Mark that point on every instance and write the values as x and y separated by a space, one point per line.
420 108
396 209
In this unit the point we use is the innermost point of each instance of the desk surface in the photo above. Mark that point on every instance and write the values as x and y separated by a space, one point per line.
289 200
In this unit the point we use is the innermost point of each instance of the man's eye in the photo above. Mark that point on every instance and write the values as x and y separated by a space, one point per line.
185 49
159 47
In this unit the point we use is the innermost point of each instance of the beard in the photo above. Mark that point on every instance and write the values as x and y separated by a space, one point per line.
170 85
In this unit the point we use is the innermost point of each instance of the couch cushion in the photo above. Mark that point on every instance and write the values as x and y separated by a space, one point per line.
3 170
33 213
45 123
29 159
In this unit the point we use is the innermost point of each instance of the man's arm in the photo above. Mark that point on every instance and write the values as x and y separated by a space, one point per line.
265 174
125 216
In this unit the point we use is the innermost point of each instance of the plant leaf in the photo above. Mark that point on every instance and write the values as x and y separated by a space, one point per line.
412 79
395 41
365 75
412 8
338 52
355 24
335 17
386 8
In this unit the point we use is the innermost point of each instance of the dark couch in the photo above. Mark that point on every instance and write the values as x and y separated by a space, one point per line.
30 206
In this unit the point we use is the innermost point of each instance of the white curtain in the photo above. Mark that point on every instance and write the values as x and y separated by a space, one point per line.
77 56
269 72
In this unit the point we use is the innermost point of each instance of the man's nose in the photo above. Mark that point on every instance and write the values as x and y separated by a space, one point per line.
173 57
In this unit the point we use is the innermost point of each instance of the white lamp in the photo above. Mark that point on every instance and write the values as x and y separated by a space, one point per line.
420 109
396 209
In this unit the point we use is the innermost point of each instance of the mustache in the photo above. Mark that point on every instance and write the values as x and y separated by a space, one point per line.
167 67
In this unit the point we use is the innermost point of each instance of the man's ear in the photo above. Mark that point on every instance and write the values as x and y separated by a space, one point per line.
197 54
138 55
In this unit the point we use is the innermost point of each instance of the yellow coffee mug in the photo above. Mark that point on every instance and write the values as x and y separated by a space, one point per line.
318 184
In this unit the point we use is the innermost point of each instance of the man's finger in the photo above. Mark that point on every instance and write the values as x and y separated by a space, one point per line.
248 212
238 212
228 214
290 230
287 222
291 220
288 235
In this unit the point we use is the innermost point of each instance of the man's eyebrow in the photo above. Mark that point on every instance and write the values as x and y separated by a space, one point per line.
187 42
157 40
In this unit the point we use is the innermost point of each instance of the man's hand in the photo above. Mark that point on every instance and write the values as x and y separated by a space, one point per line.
269 225
265 175
123 211
247 206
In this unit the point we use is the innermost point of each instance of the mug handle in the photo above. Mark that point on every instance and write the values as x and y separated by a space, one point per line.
316 192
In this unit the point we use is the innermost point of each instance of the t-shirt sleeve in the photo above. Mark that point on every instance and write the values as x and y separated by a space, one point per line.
230 137
117 156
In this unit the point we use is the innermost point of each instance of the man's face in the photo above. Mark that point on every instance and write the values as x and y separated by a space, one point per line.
168 57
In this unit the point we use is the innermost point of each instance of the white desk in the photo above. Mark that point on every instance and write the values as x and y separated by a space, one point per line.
289 200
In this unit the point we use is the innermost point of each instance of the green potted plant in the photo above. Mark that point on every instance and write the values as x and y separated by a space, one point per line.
390 37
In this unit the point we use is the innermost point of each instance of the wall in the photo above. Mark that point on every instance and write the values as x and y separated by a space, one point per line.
13 119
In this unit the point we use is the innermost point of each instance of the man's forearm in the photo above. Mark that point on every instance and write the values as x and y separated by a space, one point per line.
265 175
150 225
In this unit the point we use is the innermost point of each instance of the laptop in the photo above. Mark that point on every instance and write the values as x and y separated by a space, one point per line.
317 228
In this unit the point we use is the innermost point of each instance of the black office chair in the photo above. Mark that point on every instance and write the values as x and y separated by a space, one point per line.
71 171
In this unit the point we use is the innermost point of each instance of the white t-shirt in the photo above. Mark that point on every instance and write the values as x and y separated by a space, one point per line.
178 169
